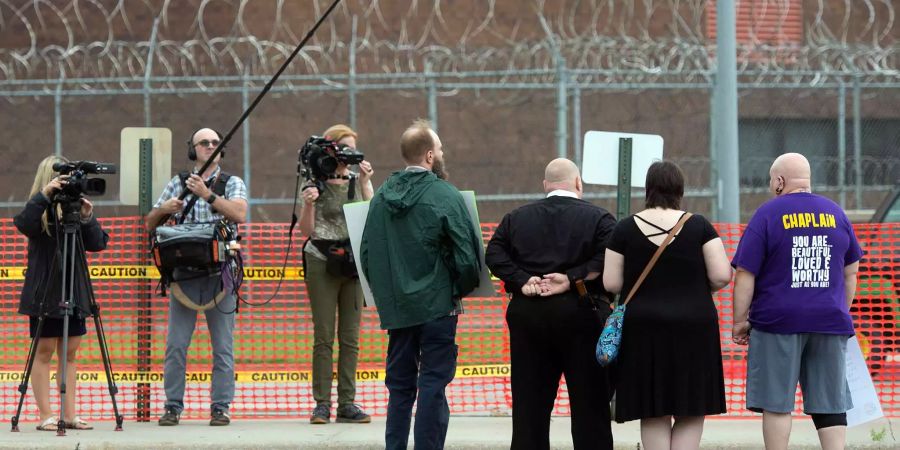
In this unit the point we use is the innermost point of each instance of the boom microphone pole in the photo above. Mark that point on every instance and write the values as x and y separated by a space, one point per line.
252 106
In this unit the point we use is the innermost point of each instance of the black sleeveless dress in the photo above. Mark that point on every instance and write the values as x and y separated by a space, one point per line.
670 362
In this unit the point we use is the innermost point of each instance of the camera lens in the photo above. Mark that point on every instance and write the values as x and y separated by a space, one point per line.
327 163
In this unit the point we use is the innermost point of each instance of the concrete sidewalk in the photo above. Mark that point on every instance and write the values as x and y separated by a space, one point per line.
466 432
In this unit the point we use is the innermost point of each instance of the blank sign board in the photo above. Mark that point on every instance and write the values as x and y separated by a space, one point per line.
130 162
601 156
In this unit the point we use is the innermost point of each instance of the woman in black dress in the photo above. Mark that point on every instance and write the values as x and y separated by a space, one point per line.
670 361
41 293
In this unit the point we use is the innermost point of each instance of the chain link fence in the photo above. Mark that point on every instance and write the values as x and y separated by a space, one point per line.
510 85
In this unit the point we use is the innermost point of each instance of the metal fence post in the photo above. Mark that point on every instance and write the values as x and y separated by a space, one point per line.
432 96
351 78
842 144
245 103
562 107
576 122
857 141
151 49
726 114
57 118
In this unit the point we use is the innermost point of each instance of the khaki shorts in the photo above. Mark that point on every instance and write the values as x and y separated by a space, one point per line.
776 362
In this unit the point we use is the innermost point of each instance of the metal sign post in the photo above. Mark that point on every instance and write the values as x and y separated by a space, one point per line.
623 197
144 312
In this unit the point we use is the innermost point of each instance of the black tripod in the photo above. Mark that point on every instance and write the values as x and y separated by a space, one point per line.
72 248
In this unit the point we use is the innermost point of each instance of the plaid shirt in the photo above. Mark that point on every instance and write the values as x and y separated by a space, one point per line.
202 212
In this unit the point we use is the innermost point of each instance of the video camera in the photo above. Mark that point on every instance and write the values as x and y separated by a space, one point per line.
320 156
78 183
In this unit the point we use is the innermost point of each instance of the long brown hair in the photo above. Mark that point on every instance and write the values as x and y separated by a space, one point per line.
42 177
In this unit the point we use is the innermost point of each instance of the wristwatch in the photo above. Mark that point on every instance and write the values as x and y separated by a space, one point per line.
212 197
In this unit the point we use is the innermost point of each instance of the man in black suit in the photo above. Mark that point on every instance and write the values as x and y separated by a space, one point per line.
542 251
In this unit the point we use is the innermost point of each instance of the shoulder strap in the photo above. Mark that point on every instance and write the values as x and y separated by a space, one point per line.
351 190
665 243
183 176
221 183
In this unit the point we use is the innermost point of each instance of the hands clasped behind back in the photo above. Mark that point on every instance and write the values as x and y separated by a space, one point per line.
549 284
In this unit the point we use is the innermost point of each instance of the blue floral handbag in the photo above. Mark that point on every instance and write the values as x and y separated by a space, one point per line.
611 337
608 345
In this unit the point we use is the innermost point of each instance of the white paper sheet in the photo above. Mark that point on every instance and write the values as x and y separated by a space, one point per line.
356 213
866 406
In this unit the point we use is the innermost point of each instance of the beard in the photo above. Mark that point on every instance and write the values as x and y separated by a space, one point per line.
439 169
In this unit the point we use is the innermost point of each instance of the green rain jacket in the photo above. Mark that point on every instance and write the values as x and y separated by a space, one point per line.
418 249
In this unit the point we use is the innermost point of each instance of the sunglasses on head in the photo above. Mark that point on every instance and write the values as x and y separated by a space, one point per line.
207 143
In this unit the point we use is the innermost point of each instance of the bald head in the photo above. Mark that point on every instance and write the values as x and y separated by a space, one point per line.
562 174
790 172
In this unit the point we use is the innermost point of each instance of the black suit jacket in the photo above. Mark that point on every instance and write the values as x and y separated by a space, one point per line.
554 235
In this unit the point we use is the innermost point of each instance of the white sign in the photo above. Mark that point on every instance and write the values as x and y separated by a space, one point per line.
866 406
130 162
601 157
355 214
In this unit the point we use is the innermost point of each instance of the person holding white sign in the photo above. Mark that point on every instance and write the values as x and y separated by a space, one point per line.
796 279
419 253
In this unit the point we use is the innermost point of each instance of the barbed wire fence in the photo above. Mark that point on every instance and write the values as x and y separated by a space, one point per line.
831 64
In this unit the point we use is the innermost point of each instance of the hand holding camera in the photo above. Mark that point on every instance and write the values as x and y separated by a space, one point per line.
365 171
59 183
320 158
87 209
55 184
310 194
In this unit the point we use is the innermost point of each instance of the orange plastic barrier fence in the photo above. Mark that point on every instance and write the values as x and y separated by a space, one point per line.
273 342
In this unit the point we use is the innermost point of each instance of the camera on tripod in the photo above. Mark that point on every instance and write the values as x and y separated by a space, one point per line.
320 157
78 183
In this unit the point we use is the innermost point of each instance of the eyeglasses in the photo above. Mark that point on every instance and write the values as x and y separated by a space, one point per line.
207 143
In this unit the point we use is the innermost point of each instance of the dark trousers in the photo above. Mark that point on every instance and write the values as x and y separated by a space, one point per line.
550 337
420 359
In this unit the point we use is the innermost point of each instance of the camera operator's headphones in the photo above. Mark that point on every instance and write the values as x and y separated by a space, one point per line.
192 152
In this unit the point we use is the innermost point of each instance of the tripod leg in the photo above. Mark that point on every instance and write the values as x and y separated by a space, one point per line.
107 365
62 376
68 283
23 386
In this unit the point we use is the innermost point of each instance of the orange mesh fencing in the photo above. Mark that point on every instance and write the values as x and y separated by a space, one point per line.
273 340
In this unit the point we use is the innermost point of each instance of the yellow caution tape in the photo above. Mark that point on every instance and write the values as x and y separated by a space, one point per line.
272 376
104 272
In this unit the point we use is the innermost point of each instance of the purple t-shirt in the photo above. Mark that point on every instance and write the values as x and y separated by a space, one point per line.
797 246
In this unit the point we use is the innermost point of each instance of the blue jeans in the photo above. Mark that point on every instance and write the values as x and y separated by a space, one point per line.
420 359
182 322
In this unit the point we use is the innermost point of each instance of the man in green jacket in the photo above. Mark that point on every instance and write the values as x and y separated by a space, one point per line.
419 254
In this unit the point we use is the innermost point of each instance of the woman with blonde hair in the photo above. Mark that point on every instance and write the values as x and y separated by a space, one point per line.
40 221
331 281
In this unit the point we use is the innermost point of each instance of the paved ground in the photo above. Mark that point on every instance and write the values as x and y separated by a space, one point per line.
465 433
